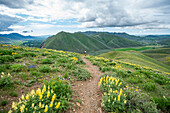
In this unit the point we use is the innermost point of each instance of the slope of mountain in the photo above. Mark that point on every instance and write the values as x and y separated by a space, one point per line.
78 42
160 54
115 41
16 36
2 39
136 57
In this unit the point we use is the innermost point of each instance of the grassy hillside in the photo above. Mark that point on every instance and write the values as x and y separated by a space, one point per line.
78 42
160 54
115 41
135 57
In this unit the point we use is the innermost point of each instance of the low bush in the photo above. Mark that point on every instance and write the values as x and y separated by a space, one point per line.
44 69
5 80
13 94
47 61
4 102
149 86
163 103
27 54
80 73
53 97
6 58
17 56
17 67
6 52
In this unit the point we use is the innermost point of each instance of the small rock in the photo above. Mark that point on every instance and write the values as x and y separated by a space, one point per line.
78 104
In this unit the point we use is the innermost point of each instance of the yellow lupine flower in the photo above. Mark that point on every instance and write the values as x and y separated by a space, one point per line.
52 91
125 101
54 96
118 97
58 105
48 93
22 97
32 92
46 108
120 92
40 96
10 111
3 73
51 104
27 97
32 104
115 99
40 105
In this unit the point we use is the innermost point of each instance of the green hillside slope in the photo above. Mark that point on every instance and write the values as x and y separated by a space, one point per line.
135 57
115 41
160 54
78 42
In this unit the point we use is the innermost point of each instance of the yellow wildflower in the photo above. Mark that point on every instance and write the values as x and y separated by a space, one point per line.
58 105
27 97
48 93
125 101
136 89
118 97
120 92
22 97
52 91
32 104
32 92
115 99
46 108
10 111
40 96
40 105
51 104
54 96
3 73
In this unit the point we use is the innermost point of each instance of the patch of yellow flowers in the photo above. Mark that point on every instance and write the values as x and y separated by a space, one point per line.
42 96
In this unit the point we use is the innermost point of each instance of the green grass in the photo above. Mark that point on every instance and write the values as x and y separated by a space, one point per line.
136 57
134 48
160 54
78 42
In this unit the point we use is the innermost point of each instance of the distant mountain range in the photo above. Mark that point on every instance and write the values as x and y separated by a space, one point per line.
79 42
17 36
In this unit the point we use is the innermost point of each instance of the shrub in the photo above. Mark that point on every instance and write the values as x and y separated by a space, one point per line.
65 75
13 94
6 52
17 56
139 101
149 86
162 103
17 67
45 69
80 73
35 73
4 102
5 80
6 58
47 61
29 54
53 97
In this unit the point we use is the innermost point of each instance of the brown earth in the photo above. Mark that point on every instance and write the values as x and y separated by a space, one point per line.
88 91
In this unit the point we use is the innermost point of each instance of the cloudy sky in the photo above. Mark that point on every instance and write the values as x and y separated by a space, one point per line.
48 17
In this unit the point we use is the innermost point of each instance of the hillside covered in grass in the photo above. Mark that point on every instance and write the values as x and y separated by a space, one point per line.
78 42
136 57
49 80
160 54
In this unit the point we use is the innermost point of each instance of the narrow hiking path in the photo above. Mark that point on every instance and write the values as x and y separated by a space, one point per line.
89 91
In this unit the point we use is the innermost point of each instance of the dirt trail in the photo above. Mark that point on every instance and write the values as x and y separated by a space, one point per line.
89 91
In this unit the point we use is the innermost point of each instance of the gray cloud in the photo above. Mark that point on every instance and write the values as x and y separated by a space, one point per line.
6 21
16 3
124 13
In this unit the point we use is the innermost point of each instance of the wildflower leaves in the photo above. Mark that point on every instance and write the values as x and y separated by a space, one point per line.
44 99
